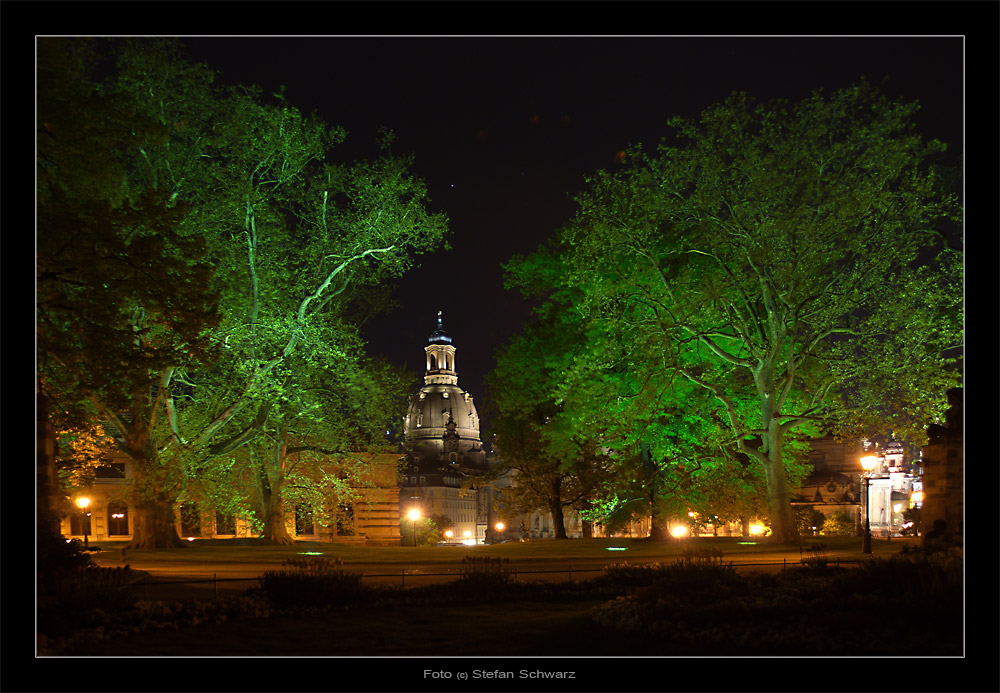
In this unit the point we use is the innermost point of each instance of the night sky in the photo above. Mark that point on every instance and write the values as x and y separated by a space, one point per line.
504 130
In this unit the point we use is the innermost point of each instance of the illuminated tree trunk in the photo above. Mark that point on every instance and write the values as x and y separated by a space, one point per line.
153 520
783 528
271 483
556 509
275 529
47 483
657 523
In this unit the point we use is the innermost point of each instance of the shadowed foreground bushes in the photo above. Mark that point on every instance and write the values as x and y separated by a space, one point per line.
695 606
905 605
314 581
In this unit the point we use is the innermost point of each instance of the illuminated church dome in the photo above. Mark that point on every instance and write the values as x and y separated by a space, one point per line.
442 423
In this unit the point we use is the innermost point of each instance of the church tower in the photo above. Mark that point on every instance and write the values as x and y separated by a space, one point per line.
443 445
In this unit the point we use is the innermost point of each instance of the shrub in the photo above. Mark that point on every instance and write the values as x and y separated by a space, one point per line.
838 524
484 571
313 581
73 598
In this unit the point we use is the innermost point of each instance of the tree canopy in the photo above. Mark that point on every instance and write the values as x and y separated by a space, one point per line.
219 247
787 261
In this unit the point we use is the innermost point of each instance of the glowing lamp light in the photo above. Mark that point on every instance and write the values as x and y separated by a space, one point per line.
679 531
82 503
467 534
414 515
190 538
499 526
897 507
449 534
757 529
868 463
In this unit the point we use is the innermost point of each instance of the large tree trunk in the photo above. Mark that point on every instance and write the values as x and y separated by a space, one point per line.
587 529
153 520
47 481
657 523
270 484
556 508
275 529
783 528
153 524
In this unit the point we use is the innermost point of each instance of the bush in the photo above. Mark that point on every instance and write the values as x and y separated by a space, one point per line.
839 524
485 571
808 520
313 581
74 598
807 610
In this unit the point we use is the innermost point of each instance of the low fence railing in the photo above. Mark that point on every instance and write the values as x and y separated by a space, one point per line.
569 571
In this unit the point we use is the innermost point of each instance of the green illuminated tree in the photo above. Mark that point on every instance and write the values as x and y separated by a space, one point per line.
553 461
788 262
296 237
123 291
291 236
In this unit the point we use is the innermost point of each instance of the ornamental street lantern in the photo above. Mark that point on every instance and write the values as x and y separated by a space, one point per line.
414 515
868 465
82 503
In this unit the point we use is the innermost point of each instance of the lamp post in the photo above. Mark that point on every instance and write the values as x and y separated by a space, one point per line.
414 515
82 503
868 463
500 529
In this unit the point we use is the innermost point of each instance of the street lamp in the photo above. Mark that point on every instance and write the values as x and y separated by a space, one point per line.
414 515
82 503
868 463
500 529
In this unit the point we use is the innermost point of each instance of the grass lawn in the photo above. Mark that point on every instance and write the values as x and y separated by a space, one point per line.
636 550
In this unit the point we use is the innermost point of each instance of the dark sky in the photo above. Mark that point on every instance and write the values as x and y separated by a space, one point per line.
504 130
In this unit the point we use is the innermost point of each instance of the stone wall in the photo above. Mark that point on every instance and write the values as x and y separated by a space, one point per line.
944 470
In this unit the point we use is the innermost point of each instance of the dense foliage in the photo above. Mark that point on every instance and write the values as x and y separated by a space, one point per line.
204 263
781 272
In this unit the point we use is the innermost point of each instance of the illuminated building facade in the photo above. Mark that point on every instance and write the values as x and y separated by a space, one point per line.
835 483
443 447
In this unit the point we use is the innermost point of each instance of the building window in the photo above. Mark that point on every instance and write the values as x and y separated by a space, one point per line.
117 518
345 520
110 470
225 523
190 520
79 524
304 520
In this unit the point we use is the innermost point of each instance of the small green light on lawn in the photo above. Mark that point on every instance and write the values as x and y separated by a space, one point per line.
617 548
747 542
310 553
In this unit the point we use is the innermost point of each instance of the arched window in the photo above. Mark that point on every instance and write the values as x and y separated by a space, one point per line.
190 520
117 518
433 363
79 524
304 520
225 523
